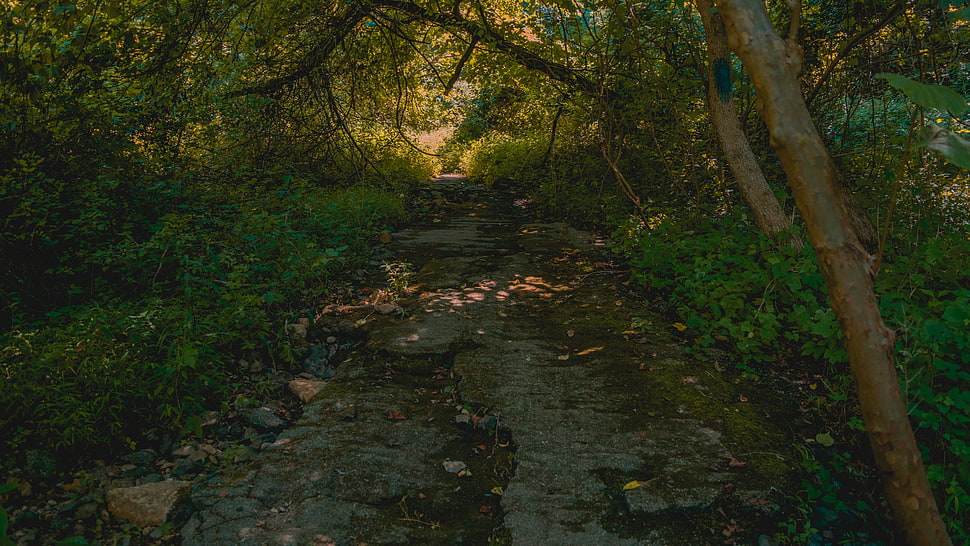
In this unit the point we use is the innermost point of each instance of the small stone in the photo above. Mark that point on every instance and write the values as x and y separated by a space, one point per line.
256 366
331 340
305 389
184 451
387 308
150 504
303 321
143 457
296 330
264 419
453 466
212 451
151 478
185 467
87 510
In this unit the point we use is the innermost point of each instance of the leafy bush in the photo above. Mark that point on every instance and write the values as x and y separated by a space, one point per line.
732 287
501 157
211 277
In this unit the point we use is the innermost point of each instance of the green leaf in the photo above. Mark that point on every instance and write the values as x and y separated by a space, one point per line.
954 148
933 96
825 439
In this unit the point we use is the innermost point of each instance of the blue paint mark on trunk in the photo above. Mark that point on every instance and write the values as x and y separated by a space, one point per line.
722 78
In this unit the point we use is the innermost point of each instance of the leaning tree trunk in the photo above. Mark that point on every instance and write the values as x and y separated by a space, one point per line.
773 65
765 208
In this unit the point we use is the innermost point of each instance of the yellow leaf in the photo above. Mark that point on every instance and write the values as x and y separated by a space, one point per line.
497 490
680 326
633 485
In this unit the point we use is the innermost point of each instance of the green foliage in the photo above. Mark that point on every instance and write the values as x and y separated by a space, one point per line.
929 96
211 279
767 304
502 157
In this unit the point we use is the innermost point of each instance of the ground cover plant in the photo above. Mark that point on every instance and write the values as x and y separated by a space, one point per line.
212 282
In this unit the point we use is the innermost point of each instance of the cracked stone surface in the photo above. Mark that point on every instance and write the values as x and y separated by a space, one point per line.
518 362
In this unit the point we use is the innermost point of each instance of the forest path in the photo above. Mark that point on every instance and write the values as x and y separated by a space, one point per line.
525 398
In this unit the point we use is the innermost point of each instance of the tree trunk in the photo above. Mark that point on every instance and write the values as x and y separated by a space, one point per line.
765 208
774 65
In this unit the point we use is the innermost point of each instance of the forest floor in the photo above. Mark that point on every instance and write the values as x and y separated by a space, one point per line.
517 391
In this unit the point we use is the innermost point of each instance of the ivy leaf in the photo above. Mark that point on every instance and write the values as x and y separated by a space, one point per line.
954 148
932 96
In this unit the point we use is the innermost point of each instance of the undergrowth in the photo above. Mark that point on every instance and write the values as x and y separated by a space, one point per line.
730 287
149 335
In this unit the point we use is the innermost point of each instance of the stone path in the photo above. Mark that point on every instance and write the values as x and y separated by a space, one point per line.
512 404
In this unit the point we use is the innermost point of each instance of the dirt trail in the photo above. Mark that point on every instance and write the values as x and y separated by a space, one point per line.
522 399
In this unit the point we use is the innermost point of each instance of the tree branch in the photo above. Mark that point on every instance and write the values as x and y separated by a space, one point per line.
339 28
452 21
848 46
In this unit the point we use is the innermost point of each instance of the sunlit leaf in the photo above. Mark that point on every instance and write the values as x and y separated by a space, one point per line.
928 95
680 326
954 148
633 485
497 490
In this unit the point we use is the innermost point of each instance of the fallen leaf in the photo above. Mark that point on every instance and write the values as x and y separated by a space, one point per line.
395 415
734 463
680 326
742 398
73 486
497 490
422 496
385 237
570 333
563 357
502 315
482 447
633 485
464 473
485 509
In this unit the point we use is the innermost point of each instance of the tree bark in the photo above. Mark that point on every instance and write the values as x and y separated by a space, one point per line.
773 65
767 211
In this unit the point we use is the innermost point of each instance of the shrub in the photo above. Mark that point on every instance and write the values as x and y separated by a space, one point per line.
210 278
733 288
